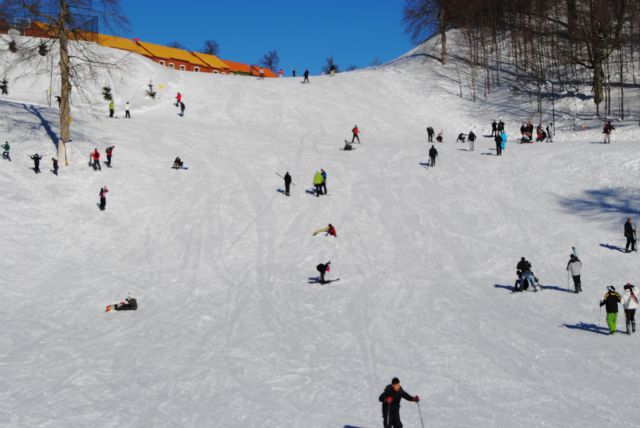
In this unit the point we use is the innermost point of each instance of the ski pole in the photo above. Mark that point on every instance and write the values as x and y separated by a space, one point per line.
420 413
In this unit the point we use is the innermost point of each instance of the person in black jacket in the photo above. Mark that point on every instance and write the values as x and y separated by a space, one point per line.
390 400
494 128
36 163
287 183
472 141
129 304
630 234
54 161
433 154
306 76
526 277
430 133
498 140
610 301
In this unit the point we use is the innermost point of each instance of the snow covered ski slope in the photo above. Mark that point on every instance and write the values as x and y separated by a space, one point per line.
230 333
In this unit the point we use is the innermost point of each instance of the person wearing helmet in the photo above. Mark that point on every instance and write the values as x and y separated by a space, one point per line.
630 304
610 302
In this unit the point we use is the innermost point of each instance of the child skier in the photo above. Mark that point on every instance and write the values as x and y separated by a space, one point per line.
610 301
390 400
630 304
103 198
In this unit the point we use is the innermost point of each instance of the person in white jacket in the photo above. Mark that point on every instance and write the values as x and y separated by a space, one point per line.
630 304
575 267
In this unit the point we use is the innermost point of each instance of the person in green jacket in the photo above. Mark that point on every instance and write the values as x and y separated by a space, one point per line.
5 150
112 108
318 179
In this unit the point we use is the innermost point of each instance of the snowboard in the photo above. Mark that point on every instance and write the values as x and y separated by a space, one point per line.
180 167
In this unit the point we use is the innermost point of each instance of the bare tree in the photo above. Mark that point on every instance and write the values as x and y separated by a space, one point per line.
330 62
270 60
375 62
211 47
425 18
63 21
176 44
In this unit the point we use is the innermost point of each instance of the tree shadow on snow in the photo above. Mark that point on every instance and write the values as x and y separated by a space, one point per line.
594 328
44 122
612 247
602 204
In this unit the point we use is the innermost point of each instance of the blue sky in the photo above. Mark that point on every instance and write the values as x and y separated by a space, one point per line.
304 33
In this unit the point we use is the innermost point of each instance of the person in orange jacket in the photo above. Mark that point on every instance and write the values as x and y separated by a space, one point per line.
95 157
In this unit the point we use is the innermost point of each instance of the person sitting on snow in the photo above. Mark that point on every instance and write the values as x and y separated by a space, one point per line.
461 138
439 137
525 276
177 163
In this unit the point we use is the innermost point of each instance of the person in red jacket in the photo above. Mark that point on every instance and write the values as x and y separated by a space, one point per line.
331 231
390 400
95 157
178 99
356 133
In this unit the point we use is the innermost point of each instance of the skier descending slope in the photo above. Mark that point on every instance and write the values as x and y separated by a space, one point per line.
630 304
610 301
287 183
390 400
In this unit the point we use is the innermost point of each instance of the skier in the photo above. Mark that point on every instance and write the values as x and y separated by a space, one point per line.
127 114
128 304
109 153
498 140
433 154
355 131
575 267
36 163
430 133
610 301
323 268
524 272
95 156
55 165
439 138
178 99
177 163
306 76
607 130
112 108
324 181
472 141
317 183
182 107
390 400
103 198
287 183
630 234
494 128
630 304
5 150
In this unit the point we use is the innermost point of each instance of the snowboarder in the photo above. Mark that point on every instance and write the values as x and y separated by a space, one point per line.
317 183
439 138
430 133
128 304
356 132
287 183
109 153
178 99
112 108
182 107
36 163
630 304
323 268
177 163
610 301
324 181
306 76
103 198
54 161
494 128
127 114
390 400
607 130
472 141
630 234
498 140
526 277
95 156
575 267
433 154
500 126
5 150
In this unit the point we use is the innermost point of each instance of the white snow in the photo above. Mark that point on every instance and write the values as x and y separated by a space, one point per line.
229 333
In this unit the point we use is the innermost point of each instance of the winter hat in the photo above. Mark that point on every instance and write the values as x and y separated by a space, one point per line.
628 286
395 381
611 288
